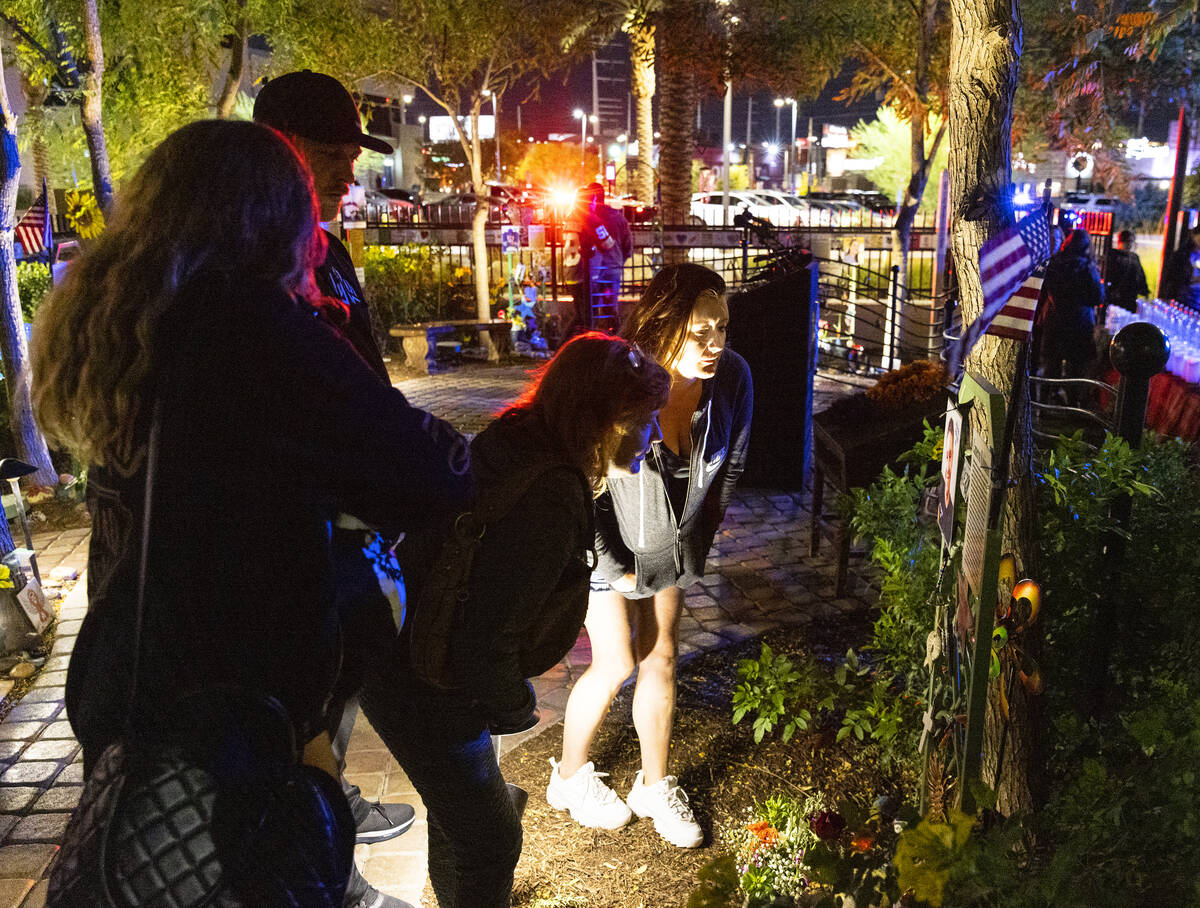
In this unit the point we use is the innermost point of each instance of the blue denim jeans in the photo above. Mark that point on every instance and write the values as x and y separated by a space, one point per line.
442 743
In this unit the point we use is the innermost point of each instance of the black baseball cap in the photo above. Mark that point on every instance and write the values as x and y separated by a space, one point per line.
315 106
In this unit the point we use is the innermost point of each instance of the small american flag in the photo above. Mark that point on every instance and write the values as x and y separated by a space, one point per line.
1005 262
1015 320
33 230
1009 257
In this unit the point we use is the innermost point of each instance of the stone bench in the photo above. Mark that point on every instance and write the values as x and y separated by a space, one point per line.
420 340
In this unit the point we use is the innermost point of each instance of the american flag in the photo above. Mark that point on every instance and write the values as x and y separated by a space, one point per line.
33 230
1006 261
1015 320
1009 257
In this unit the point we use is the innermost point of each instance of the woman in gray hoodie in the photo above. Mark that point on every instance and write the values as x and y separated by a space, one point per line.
653 533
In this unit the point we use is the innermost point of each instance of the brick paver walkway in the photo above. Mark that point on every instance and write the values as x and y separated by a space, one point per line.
761 577
41 773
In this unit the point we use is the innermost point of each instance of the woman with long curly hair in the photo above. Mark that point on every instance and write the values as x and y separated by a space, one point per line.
653 534
586 420
195 314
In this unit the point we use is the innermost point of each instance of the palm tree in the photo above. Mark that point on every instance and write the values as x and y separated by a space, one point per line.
639 24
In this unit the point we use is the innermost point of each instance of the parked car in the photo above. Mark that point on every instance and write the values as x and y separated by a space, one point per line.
390 205
506 205
66 252
1091 201
800 207
709 208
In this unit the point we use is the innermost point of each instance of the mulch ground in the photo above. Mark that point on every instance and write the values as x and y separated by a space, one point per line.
718 764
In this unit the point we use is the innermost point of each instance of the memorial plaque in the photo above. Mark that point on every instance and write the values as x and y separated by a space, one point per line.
979 493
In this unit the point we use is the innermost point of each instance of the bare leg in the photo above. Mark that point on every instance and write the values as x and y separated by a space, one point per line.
608 628
657 647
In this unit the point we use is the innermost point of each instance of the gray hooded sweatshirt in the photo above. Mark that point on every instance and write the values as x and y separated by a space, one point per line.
637 530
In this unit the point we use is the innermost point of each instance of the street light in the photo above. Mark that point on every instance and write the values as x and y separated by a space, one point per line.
582 118
405 100
583 136
790 153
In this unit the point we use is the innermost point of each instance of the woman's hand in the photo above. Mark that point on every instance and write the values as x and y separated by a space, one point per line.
626 583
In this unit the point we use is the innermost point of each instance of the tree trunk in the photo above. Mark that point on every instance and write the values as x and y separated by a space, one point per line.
483 290
641 54
92 109
907 214
227 100
676 115
926 24
14 349
35 122
985 47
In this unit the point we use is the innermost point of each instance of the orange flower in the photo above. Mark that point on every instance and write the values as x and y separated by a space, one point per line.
764 832
861 843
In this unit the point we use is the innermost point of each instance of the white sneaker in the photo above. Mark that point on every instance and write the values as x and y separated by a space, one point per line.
666 804
590 801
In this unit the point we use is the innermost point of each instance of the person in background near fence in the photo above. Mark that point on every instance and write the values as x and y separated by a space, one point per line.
1126 279
653 534
605 241
194 311
587 418
1181 276
320 118
1066 318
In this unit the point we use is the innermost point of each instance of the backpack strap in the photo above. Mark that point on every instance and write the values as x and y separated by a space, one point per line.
439 602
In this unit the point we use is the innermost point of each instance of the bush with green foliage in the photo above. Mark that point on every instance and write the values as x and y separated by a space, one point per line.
33 283
407 284
1122 819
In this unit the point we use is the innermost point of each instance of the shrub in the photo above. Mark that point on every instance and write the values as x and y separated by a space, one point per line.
1123 811
33 283
406 284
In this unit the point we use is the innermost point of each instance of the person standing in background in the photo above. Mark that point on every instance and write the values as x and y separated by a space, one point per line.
1126 279
1066 317
604 241
1181 275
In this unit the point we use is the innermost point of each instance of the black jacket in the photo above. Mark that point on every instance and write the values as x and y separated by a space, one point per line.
1066 316
272 424
636 529
1177 276
337 279
1126 280
528 589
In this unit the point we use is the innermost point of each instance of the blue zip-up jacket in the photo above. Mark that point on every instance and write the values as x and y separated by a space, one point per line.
637 532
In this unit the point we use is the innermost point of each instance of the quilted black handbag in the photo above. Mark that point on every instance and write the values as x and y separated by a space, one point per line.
212 807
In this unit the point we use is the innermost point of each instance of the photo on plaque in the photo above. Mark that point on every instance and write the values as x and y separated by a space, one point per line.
951 460
354 208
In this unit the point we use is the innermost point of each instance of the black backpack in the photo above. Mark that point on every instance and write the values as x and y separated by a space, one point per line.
440 569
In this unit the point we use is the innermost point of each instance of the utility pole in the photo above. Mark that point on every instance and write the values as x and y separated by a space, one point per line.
749 162
727 143
595 91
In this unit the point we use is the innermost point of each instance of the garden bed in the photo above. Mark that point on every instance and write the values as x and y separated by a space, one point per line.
719 765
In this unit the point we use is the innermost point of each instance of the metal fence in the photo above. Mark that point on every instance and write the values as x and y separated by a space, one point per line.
872 319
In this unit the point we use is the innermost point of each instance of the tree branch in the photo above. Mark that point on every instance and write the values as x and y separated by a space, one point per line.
875 60
20 31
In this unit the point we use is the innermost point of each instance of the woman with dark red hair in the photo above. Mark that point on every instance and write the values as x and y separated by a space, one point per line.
589 415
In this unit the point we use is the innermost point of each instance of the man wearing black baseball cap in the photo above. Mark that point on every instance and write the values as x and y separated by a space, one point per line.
320 118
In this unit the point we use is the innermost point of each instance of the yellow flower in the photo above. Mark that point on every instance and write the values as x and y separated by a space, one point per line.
84 214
